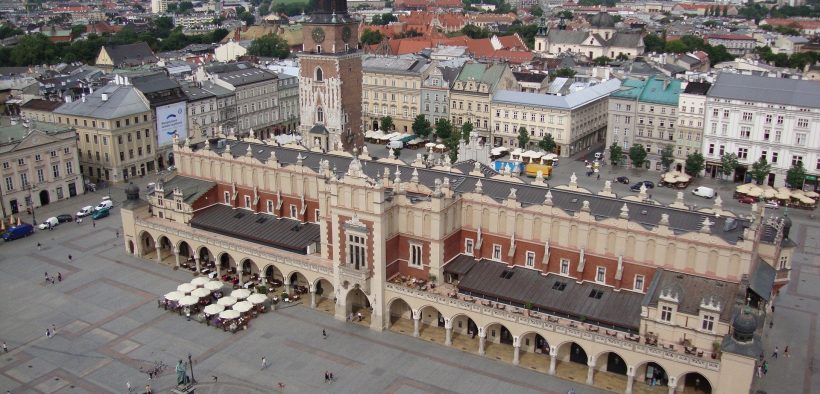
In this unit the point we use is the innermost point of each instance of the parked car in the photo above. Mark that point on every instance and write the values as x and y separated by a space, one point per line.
85 211
48 223
20 231
622 179
100 213
106 204
637 185
151 187
65 218
703 191
772 204
746 199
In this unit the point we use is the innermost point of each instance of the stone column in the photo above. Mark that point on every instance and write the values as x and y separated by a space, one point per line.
672 385
448 332
196 259
482 339
176 256
218 270
553 363
416 322
516 353
312 296
159 254
286 284
630 378
590 372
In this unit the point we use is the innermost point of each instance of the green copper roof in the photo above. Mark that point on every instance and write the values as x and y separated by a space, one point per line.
482 73
653 90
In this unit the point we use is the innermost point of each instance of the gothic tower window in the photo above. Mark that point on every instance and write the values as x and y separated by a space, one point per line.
320 115
319 74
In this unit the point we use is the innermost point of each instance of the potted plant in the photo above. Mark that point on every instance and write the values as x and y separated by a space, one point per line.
262 289
715 349
528 306
432 278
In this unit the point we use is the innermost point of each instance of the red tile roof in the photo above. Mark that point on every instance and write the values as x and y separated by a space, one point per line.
802 23
512 47
729 37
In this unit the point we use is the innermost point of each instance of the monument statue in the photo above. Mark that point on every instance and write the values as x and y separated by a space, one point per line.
182 379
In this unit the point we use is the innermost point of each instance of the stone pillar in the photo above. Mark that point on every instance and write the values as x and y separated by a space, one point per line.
416 322
630 378
159 254
196 258
553 363
312 296
341 307
590 372
516 353
217 266
448 332
286 284
672 385
176 256
482 339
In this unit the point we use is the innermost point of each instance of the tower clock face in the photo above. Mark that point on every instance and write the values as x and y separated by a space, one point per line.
318 35
346 34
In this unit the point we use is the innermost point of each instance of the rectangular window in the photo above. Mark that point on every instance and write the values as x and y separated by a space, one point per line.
497 252
415 255
24 179
708 323
356 256
797 160
742 153
600 275
638 283
9 183
227 197
774 157
747 116
247 201
802 122
564 267
293 211
666 313
55 169
800 139
316 215
69 168
269 205
530 259
468 246
41 177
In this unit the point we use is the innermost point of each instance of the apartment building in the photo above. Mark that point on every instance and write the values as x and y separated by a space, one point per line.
691 115
435 92
472 92
116 130
288 103
644 112
38 165
754 117
575 121
392 87
40 110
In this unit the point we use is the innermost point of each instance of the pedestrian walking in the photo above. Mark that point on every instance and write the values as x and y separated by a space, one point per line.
53 329
760 371
765 367
324 334
59 277
327 377
48 333
46 276
281 387
117 233
264 362
39 247
599 177
93 222
771 323
148 389
772 308
774 354
331 377
69 258
128 385
5 348
786 352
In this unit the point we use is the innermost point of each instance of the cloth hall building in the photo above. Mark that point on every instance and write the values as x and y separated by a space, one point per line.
560 280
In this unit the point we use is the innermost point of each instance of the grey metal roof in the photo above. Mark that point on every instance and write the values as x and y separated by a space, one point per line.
191 188
152 83
262 228
783 91
565 37
570 101
195 93
692 290
131 54
123 100
699 88
649 215
625 40
246 77
762 280
394 64
553 294
460 264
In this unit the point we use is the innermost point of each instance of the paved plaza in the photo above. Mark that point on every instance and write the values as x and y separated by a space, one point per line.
109 326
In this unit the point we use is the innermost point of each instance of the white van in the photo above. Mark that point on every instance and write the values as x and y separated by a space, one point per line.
106 204
703 191
85 211
395 144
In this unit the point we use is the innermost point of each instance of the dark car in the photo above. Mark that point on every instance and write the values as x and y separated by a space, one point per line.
65 218
747 199
622 179
99 214
637 186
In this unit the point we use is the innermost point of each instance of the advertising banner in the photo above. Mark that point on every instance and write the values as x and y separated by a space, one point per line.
171 119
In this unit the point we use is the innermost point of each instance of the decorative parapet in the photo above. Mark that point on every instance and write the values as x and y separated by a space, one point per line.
541 324
226 244
356 277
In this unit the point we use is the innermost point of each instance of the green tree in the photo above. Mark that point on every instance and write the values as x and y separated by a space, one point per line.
77 30
725 11
34 49
370 37
536 11
452 143
264 9
474 31
523 137
7 30
602 60
728 163
269 45
694 163
444 128
421 126
653 43
675 46
616 154
387 123
563 73
547 143
565 14
185 7
760 170
796 175
622 57
637 154
466 129
667 157
719 54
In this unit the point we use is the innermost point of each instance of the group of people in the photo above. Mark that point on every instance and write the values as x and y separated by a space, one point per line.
355 317
54 279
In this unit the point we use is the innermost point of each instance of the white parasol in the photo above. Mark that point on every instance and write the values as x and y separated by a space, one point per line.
670 178
226 301
200 281
743 188
241 294
228 315
213 309
188 301
754 192
440 146
214 285
174 296
200 292
430 145
186 288
257 298
242 307
812 194
797 192
806 200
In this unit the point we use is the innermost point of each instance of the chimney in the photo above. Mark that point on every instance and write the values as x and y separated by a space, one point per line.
104 97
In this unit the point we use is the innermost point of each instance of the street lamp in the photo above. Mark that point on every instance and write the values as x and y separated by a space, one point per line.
191 365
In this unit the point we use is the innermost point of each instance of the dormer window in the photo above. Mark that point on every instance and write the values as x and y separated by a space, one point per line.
666 313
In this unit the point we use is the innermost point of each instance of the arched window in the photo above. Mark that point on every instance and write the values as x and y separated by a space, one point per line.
320 115
319 75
